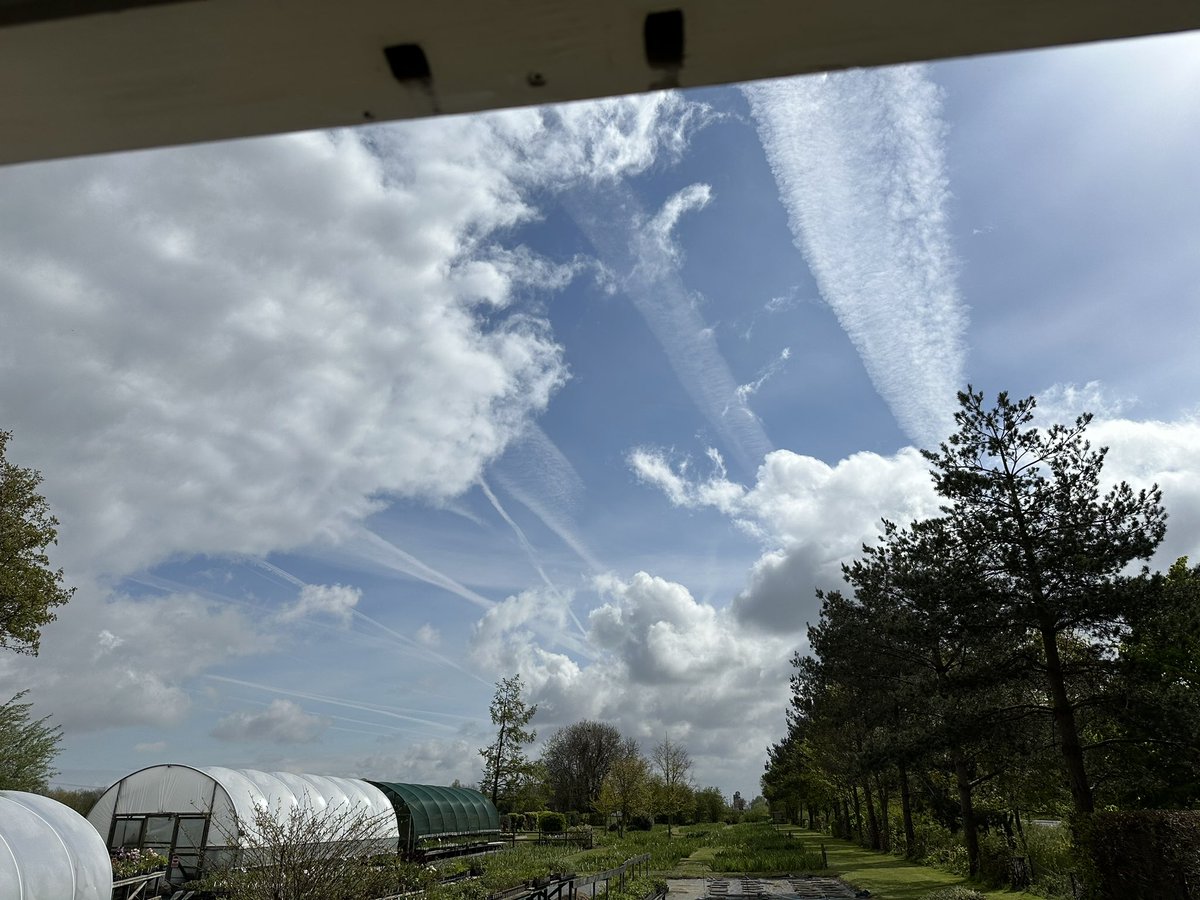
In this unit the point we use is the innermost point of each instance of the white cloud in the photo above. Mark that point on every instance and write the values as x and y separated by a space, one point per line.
428 635
332 601
282 722
667 662
1063 403
250 342
125 661
811 517
150 747
859 161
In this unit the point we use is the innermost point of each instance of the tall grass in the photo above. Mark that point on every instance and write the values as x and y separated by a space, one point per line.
761 850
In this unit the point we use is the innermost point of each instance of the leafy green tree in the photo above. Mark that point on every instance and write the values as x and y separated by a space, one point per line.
79 799
673 767
626 791
710 805
27 748
1050 544
1155 699
505 763
576 760
29 588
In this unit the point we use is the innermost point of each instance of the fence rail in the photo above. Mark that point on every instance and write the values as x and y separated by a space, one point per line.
582 887
137 886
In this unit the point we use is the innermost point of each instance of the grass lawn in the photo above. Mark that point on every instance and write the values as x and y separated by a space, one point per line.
890 878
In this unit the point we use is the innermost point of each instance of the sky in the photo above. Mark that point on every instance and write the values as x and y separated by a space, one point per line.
343 427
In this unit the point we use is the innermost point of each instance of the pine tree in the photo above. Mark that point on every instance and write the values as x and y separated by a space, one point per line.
1050 545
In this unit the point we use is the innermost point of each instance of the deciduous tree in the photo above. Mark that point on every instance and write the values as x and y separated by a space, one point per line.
29 588
673 767
626 789
577 759
27 748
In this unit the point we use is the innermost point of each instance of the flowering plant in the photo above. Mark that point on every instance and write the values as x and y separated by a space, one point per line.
130 861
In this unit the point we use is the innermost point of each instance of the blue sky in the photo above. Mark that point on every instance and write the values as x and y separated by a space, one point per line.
342 428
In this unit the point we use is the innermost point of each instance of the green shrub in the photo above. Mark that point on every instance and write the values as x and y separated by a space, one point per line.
552 822
1150 854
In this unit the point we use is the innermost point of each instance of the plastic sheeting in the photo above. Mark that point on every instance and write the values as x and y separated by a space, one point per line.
434 810
50 852
232 797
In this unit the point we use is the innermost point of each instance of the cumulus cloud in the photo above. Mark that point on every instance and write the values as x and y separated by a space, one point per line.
1063 403
810 516
252 346
331 601
859 159
282 722
666 663
245 347
252 341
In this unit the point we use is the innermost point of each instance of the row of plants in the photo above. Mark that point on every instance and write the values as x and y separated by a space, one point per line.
130 861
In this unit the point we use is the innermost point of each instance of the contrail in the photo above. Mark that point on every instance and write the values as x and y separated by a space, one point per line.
391 712
529 551
403 639
650 277
859 160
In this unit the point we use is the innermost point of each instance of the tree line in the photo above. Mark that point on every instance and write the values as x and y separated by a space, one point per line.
1005 657
590 769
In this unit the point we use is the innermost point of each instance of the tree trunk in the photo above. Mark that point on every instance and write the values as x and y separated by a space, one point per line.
811 818
885 823
872 821
970 829
1064 714
910 833
857 812
1064 722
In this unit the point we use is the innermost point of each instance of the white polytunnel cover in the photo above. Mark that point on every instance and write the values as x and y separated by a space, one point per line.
50 852
225 798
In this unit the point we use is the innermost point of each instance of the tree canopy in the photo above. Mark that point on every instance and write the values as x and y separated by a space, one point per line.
1002 656
577 759
27 748
29 588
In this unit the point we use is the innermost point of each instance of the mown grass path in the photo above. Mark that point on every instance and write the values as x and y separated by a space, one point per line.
888 877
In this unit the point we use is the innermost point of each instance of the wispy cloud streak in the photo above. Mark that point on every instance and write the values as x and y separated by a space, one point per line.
539 476
400 638
529 551
391 712
859 159
362 543
648 264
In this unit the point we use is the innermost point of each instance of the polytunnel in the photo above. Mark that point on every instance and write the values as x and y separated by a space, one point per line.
202 817
426 810
49 852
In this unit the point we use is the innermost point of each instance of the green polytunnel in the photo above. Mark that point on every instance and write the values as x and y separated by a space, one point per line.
426 810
